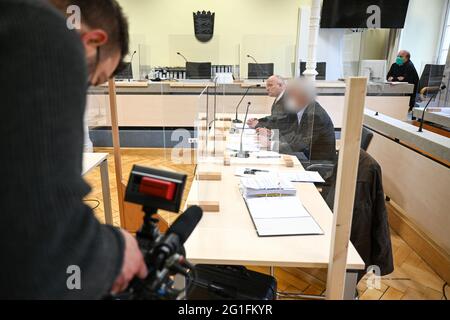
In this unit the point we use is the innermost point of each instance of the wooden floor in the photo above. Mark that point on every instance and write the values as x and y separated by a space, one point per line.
412 278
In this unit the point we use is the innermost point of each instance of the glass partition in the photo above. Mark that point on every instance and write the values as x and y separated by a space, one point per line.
430 83
266 55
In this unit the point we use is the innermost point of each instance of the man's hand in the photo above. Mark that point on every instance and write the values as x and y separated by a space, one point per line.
264 136
264 132
133 264
401 78
390 78
252 123
264 142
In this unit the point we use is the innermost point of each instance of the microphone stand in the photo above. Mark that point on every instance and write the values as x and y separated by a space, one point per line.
258 66
131 66
185 65
178 53
422 119
236 120
242 153
215 107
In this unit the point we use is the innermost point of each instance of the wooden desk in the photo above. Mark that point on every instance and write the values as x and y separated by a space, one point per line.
129 84
439 116
229 237
92 161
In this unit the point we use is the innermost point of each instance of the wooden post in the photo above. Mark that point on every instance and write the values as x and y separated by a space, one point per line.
116 145
130 214
345 185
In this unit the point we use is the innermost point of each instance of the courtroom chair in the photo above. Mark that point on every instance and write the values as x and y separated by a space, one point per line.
328 171
370 226
366 138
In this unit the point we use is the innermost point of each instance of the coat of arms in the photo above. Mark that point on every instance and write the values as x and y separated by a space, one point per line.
204 25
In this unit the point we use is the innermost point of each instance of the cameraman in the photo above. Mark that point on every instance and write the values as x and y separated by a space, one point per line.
46 230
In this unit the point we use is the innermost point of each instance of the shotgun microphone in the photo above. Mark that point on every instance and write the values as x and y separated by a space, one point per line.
176 236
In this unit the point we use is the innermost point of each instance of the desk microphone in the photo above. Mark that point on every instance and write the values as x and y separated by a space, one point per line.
258 66
131 66
236 120
438 90
242 153
178 53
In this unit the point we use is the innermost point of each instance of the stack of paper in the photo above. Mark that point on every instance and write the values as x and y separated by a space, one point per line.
266 185
281 216
303 176
292 176
249 143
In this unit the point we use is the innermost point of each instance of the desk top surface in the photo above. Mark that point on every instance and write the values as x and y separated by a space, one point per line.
239 87
92 160
229 236
427 141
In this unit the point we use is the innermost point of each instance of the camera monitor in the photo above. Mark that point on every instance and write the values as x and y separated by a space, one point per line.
153 188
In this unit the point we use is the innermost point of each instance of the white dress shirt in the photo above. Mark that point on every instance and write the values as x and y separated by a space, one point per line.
300 115
280 96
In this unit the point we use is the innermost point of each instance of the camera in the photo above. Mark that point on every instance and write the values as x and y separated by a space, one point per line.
164 254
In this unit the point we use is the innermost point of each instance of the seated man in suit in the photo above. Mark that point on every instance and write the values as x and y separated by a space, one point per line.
306 130
275 87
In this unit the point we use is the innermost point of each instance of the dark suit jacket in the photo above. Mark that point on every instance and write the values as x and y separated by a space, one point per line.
277 111
370 226
314 136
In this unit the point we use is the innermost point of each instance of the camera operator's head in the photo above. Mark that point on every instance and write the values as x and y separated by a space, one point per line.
104 33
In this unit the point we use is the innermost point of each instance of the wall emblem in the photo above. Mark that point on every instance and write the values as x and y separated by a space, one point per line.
204 25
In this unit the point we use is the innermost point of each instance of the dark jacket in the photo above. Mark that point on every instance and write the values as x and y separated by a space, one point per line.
409 72
44 225
276 111
370 226
314 137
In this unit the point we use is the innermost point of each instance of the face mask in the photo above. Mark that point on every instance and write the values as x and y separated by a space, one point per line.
399 61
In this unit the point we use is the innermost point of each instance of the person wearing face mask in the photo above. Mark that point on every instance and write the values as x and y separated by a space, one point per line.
47 232
307 130
403 70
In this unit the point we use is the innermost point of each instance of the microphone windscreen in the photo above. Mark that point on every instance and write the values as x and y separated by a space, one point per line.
186 223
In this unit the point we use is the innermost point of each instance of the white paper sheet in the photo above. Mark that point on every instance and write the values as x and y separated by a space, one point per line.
287 227
276 207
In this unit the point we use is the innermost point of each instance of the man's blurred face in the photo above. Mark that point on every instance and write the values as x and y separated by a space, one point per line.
296 100
273 87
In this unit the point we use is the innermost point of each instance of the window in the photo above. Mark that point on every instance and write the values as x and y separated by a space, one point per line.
445 41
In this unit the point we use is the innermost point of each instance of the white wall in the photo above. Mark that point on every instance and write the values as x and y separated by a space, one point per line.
422 33
264 28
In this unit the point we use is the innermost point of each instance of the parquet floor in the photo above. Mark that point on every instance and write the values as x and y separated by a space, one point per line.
412 278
